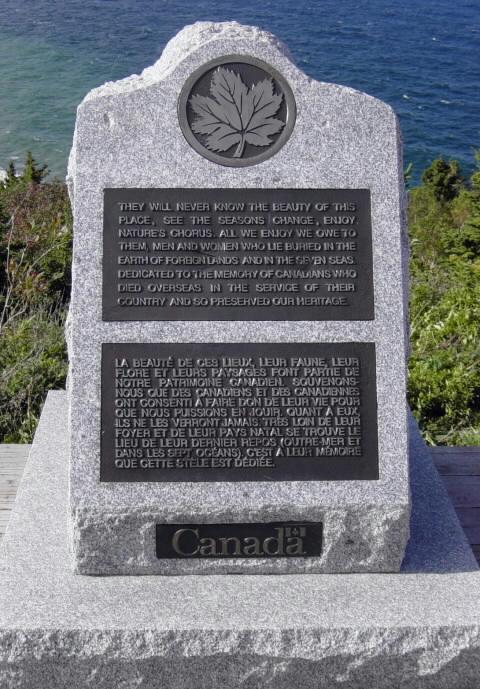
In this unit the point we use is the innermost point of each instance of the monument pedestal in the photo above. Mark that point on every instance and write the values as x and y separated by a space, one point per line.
418 628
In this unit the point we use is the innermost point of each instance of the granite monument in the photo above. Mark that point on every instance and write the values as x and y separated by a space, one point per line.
237 326
236 403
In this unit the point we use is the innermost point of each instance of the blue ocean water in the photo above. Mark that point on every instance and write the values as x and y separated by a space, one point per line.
421 56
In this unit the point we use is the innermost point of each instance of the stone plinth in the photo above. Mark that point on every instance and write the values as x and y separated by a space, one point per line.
419 628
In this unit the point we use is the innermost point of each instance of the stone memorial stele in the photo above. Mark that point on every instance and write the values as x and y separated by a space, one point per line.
237 327
236 402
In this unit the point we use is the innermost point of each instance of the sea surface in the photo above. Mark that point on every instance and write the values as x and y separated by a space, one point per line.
421 56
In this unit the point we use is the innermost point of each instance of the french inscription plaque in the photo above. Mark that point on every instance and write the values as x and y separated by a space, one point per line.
247 540
237 254
238 412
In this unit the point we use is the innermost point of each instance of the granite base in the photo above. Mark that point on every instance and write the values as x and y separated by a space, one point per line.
419 628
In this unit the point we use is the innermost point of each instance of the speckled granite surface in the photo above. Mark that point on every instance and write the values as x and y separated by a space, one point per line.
418 629
127 135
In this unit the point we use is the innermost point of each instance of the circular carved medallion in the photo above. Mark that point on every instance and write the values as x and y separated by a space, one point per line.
236 110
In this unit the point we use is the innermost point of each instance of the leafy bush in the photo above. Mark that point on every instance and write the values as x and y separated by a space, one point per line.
35 258
444 371
35 246
32 360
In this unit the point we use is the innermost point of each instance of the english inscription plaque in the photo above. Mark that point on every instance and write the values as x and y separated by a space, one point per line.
237 254
238 412
275 539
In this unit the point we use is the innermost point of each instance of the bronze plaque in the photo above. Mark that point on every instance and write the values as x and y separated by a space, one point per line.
237 254
236 110
238 412
246 540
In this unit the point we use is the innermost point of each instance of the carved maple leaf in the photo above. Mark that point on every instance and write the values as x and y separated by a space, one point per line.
236 115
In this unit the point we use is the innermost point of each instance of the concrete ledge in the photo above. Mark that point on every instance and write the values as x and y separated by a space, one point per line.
419 628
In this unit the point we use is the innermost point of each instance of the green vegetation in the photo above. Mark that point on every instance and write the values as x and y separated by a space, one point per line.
35 251
444 371
444 375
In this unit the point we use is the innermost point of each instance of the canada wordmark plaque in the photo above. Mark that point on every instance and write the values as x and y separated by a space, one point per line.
238 412
246 540
237 254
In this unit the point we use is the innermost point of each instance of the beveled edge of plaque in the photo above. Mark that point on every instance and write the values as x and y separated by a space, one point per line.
211 155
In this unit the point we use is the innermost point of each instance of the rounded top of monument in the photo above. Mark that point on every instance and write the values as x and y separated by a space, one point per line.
195 35
186 42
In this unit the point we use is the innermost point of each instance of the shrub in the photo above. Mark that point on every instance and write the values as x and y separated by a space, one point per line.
35 258
32 360
444 371
35 247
